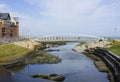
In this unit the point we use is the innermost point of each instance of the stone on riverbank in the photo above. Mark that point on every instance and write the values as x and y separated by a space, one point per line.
42 57
91 45
27 44
101 66
93 56
53 77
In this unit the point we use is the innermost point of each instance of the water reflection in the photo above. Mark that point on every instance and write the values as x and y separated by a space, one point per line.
18 68
5 76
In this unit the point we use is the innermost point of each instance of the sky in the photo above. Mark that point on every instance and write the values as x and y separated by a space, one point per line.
47 17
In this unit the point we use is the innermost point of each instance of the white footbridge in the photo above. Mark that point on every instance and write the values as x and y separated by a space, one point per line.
66 37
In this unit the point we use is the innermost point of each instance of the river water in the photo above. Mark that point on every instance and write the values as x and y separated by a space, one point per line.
76 67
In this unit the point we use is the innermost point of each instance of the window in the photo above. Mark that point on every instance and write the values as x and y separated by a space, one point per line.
0 19
3 34
3 29
11 31
11 35
8 22
12 24
8 30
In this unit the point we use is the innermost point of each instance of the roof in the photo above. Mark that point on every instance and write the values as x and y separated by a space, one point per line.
4 15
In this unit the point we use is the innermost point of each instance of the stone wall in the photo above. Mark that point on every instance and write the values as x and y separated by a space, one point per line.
101 44
27 44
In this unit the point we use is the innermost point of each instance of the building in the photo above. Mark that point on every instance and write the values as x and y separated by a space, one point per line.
9 26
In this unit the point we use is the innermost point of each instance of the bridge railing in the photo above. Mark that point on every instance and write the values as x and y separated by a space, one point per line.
72 37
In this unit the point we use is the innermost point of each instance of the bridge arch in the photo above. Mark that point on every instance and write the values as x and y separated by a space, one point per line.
67 37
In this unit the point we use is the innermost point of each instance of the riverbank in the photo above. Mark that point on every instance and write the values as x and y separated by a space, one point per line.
41 57
9 52
28 44
12 55
100 64
91 45
88 49
115 47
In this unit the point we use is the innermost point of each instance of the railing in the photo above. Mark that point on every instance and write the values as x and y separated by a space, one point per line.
66 38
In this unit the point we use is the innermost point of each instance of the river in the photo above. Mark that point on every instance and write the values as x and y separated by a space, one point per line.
76 67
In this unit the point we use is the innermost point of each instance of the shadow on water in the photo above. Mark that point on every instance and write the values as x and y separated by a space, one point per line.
5 76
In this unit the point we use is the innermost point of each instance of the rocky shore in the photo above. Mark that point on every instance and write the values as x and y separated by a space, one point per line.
91 45
42 57
27 44
25 52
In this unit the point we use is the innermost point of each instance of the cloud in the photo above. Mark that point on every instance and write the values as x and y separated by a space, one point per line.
108 10
87 16
3 7
75 8
59 8
67 16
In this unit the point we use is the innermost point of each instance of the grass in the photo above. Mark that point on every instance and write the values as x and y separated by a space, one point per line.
11 51
82 43
115 47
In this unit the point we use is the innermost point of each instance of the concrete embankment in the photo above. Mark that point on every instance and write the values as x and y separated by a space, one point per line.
112 61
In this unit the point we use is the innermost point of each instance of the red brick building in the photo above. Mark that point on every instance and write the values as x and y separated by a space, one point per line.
9 26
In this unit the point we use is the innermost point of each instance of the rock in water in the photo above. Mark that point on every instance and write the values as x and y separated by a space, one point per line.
53 77
57 78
